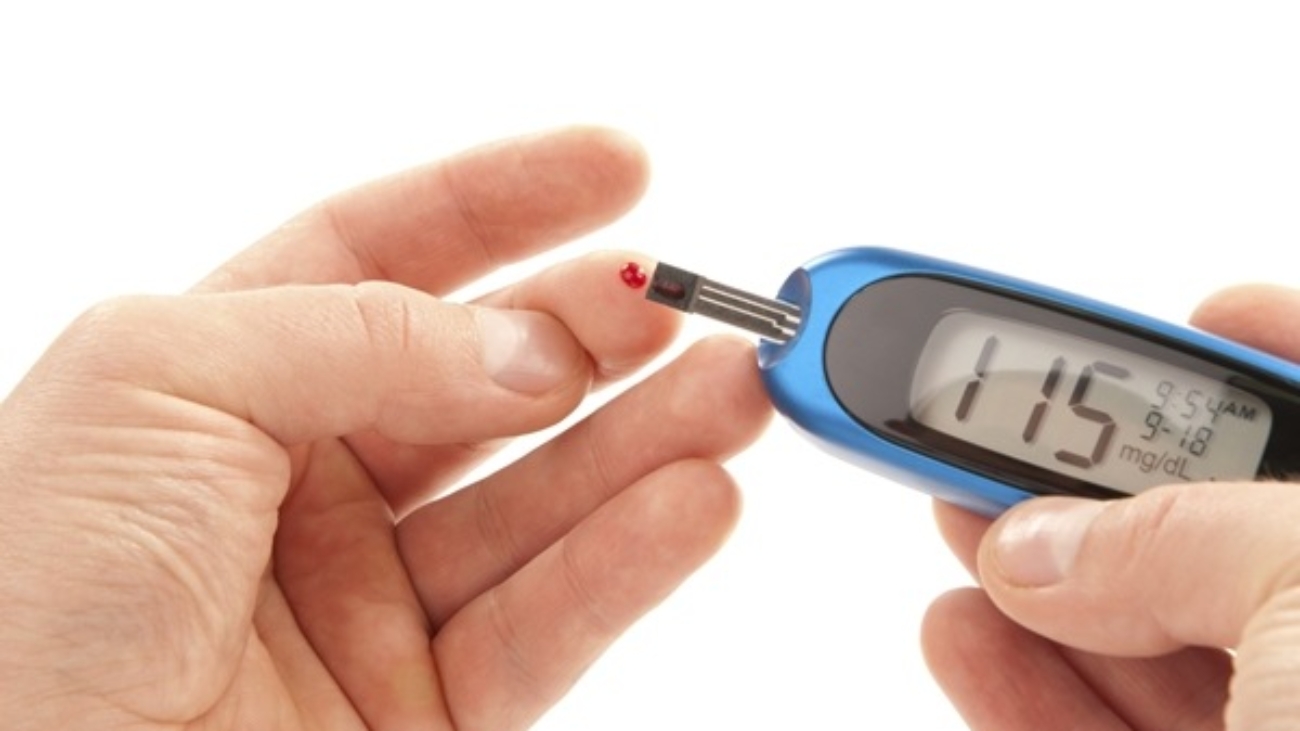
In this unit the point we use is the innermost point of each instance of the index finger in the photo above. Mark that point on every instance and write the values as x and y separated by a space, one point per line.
438 226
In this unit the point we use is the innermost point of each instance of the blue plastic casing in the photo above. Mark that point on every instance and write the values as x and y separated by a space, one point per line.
795 371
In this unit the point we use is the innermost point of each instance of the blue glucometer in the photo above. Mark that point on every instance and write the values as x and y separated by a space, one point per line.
984 390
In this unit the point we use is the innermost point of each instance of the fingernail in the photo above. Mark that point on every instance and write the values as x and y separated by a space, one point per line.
525 351
1037 546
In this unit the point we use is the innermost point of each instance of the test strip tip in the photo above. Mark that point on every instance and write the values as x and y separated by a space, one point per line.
673 287
670 290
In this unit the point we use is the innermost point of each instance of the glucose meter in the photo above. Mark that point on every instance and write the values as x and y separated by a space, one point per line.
984 390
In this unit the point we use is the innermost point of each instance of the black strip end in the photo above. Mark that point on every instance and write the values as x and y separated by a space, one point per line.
673 287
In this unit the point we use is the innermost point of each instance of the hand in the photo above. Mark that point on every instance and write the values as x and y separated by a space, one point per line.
232 509
1116 615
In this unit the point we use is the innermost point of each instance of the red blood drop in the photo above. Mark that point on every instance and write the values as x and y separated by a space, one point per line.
633 275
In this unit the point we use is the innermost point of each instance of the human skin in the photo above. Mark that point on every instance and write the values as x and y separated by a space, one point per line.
233 508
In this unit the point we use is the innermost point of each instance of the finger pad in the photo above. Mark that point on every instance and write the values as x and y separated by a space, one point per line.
1252 315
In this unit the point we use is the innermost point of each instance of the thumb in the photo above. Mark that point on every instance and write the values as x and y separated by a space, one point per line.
308 362
1209 565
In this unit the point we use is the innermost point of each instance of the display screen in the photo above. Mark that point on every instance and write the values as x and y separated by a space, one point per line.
1081 408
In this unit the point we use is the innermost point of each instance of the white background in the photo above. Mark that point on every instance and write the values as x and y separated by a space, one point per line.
1142 152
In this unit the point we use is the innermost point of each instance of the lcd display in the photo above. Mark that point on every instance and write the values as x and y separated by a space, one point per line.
1081 408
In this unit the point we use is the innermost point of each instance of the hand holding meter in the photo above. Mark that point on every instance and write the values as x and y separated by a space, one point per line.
984 390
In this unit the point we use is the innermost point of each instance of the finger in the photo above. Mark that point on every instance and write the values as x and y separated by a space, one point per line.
1187 689
621 331
1251 314
337 565
962 531
441 225
1255 315
708 404
1174 566
303 363
522 645
1001 676
616 328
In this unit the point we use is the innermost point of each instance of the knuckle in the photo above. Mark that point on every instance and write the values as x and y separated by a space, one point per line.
113 337
473 221
519 660
495 532
384 315
585 597
113 314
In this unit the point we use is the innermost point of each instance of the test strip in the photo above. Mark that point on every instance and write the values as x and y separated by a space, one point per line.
773 319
